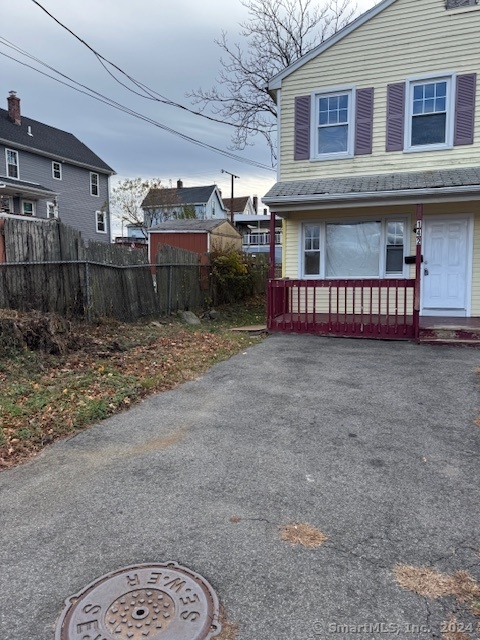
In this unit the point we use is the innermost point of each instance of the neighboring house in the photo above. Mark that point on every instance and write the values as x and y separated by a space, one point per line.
161 205
200 236
48 173
379 133
255 230
243 205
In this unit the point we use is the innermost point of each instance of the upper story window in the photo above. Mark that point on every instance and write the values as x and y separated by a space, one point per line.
101 221
333 125
12 163
429 114
94 184
57 170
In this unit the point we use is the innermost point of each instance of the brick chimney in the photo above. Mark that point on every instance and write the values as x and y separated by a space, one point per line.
14 108
179 184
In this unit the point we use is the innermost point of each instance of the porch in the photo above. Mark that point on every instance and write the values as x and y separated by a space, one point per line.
380 308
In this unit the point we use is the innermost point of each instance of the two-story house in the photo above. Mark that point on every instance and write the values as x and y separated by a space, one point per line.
163 204
379 175
48 173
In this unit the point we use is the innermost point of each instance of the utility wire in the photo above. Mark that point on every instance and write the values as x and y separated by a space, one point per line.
116 105
151 93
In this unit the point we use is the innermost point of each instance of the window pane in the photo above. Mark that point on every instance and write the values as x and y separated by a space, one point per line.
343 115
417 106
323 119
333 139
441 89
394 259
333 103
353 250
429 90
343 102
440 104
418 92
323 104
429 106
312 263
428 129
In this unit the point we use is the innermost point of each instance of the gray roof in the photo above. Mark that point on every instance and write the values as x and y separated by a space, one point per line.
49 140
188 225
174 197
19 184
324 189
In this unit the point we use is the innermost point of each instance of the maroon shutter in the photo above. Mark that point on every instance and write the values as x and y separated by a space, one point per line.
363 122
465 109
395 116
302 128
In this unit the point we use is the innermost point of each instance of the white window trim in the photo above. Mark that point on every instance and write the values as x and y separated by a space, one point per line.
7 165
53 170
349 153
55 210
95 195
32 202
10 203
405 218
105 221
450 78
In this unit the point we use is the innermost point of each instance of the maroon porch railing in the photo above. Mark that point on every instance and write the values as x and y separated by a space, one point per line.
363 308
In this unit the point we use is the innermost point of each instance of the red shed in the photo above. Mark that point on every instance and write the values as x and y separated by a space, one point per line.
200 236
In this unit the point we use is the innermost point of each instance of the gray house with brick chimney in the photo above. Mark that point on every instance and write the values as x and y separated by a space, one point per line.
48 173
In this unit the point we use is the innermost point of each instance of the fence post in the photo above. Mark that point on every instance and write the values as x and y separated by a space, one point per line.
169 303
87 290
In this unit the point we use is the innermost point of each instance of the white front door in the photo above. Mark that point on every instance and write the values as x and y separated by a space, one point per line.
446 250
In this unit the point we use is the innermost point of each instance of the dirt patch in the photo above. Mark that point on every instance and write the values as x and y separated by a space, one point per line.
303 534
229 629
429 583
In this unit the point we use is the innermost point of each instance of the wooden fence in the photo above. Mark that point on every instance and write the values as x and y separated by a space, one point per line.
48 268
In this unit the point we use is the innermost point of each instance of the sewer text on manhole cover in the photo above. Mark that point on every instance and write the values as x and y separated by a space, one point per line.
143 602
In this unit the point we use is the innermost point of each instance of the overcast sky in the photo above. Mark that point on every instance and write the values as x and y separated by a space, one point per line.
168 46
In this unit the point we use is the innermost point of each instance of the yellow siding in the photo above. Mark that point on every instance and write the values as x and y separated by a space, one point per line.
409 38
293 224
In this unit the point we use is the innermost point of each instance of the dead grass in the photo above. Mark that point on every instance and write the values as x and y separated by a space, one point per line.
229 629
57 378
302 533
433 584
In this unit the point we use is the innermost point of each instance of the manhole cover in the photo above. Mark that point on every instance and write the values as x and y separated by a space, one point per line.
144 602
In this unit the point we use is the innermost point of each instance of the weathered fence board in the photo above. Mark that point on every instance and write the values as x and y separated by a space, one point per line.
179 280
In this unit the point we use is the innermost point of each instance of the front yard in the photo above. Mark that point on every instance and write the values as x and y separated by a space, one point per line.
113 365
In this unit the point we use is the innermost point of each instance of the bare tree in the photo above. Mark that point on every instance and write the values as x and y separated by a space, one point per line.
126 200
277 33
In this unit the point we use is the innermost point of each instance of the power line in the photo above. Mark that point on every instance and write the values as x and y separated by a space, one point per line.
120 107
151 93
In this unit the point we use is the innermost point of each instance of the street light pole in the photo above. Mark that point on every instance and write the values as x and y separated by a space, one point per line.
231 201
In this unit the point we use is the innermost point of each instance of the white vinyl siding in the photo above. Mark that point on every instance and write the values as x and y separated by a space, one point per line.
408 39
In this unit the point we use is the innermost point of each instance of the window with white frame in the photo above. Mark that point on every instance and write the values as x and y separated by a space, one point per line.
94 182
52 211
366 249
57 170
12 163
101 221
28 207
430 114
333 129
6 204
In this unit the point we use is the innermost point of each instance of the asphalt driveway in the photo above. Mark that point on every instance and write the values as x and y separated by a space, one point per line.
373 443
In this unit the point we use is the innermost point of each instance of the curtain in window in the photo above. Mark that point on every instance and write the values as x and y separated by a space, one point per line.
353 250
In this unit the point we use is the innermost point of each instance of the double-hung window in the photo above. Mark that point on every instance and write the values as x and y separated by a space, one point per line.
429 114
28 207
12 164
94 184
57 170
101 221
333 131
366 249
